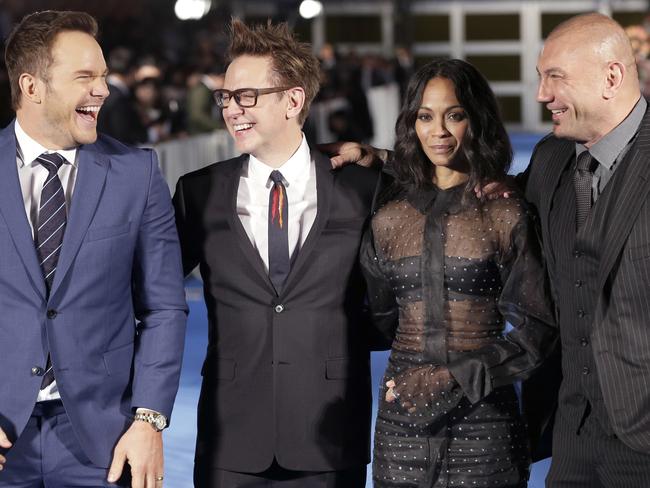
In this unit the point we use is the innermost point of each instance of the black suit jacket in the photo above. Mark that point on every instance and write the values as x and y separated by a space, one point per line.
620 336
285 376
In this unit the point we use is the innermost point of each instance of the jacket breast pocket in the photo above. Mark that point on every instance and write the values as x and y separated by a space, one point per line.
107 232
639 252
342 225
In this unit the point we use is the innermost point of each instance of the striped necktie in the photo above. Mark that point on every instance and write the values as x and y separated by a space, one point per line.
48 236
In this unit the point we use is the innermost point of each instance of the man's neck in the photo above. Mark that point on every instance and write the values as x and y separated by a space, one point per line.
275 159
32 130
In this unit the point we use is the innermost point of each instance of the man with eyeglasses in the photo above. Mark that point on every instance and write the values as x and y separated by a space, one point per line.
286 394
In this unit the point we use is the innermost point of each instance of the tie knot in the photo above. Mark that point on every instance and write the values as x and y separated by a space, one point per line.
584 161
276 177
51 161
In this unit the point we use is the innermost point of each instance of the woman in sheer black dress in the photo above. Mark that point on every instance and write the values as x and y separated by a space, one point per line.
445 272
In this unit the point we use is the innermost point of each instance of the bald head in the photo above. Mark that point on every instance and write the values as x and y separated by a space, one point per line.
596 34
588 77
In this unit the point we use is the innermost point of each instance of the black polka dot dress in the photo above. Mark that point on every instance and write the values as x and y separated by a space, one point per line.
444 275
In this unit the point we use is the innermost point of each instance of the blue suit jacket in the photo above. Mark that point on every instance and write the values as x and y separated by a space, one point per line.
114 323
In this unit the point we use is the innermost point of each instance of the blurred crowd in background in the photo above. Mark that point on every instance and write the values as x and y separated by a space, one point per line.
162 78
161 86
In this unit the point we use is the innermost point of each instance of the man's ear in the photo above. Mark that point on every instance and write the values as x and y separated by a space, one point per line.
30 87
615 74
295 102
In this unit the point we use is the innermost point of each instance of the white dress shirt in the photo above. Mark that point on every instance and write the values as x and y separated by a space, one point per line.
299 173
32 176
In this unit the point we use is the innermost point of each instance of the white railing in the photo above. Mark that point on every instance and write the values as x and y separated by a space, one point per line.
181 156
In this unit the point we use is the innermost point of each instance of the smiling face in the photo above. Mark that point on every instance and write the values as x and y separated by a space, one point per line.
571 83
441 123
270 130
62 110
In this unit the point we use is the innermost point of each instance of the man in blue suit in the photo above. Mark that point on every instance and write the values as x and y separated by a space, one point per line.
93 310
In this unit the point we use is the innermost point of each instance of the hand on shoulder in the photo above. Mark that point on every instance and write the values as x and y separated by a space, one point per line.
344 153
497 189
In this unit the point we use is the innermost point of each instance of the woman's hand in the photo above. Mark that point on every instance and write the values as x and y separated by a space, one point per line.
420 387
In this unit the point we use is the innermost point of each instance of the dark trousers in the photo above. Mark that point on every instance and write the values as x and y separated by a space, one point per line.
278 477
591 458
47 455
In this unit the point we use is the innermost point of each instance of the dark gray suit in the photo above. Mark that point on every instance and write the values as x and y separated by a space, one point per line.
600 278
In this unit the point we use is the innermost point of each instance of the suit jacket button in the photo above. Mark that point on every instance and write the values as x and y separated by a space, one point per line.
584 342
581 313
51 314
37 371
585 370
279 308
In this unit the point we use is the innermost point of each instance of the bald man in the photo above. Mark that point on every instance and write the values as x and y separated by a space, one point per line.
589 181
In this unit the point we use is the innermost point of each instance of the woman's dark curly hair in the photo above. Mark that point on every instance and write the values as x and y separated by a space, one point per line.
486 147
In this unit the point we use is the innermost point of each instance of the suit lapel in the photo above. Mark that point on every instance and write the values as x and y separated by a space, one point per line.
633 194
89 185
13 210
551 162
230 189
324 183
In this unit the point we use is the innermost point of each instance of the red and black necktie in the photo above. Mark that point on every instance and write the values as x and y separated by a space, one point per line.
279 262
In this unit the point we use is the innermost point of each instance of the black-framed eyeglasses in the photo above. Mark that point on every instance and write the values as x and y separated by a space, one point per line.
244 97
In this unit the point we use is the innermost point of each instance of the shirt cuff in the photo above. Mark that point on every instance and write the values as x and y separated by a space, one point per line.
146 410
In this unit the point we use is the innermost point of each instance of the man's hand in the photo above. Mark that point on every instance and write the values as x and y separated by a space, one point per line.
4 443
497 189
343 153
142 447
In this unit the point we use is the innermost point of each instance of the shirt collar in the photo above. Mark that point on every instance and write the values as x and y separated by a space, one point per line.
607 149
295 169
29 149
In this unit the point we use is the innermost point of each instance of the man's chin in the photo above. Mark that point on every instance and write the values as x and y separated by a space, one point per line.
559 131
565 134
243 147
86 138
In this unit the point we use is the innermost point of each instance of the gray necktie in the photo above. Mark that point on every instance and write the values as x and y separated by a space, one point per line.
582 179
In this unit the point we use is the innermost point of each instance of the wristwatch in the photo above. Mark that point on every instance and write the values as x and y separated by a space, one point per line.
157 420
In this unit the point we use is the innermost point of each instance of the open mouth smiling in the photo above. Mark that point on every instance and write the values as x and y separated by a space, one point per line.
242 127
88 112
